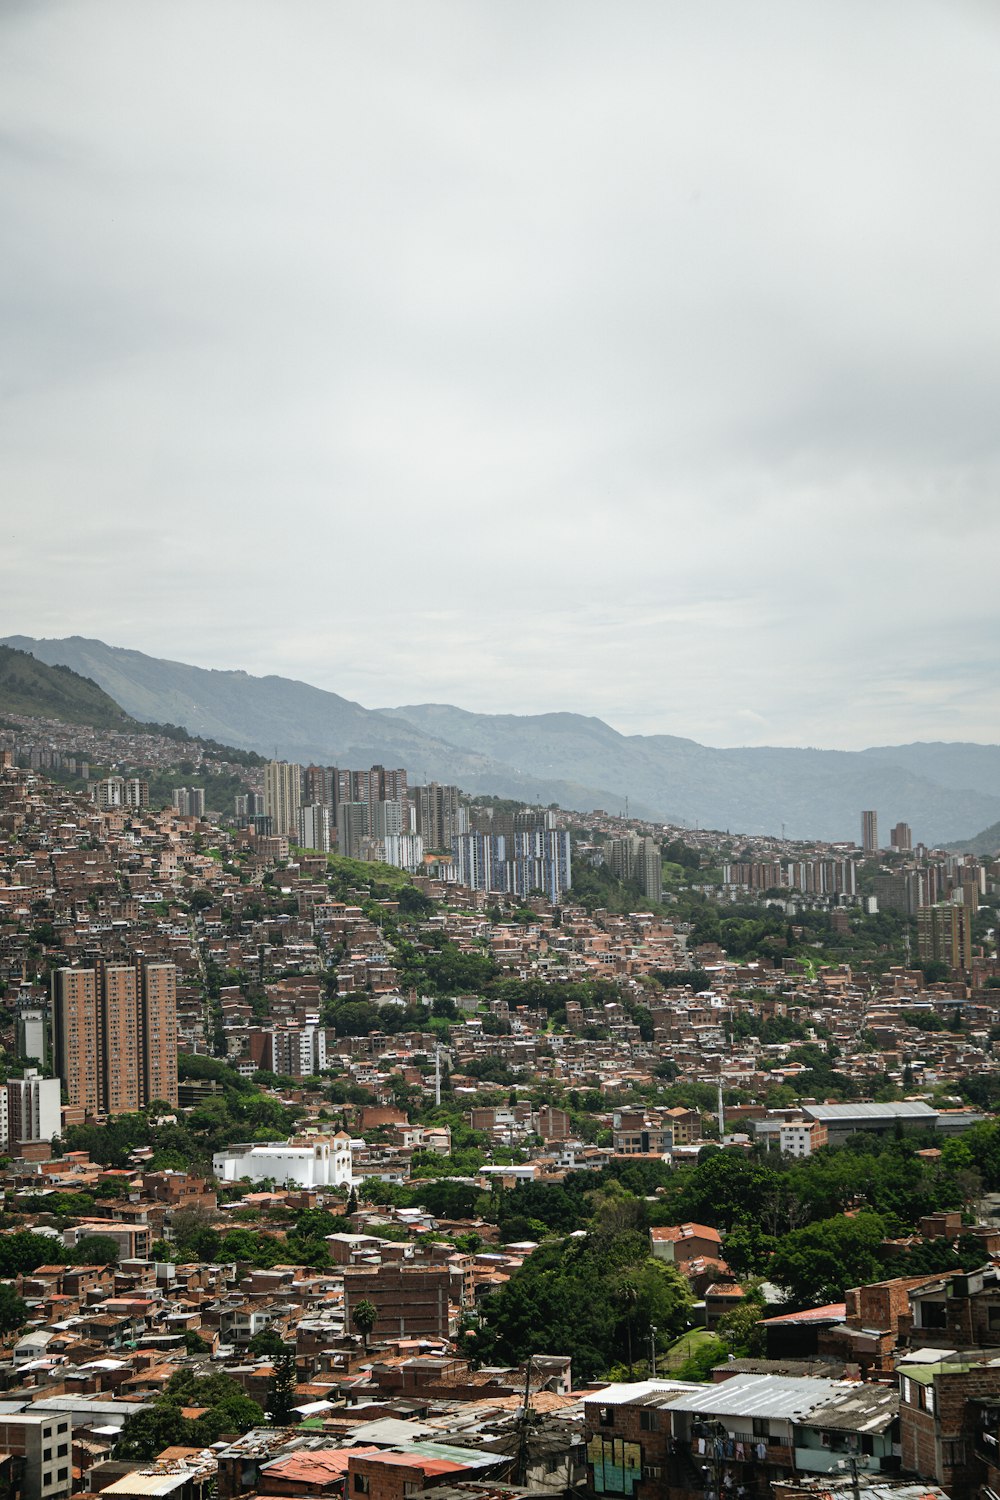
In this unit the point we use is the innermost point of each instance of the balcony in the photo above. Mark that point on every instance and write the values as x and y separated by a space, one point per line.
778 1454
829 1461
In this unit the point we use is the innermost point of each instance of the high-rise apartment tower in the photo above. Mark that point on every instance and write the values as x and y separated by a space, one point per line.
116 1035
283 796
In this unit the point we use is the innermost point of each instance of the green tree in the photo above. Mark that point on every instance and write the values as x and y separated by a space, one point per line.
748 1250
448 1200
267 1343
702 1360
742 1328
13 1310
550 1303
364 1316
231 1417
626 1295
816 1264
25 1251
96 1250
724 1189
146 1433
283 1390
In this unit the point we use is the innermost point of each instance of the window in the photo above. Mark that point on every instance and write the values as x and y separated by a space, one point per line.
62 1450
46 1455
607 1416
761 1427
361 1484
932 1315
649 1421
63 1473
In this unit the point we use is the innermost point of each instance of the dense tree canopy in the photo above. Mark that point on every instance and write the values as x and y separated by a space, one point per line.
552 1306
163 1424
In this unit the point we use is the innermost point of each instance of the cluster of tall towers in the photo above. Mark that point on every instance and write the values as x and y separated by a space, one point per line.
516 853
900 839
306 803
312 804
115 1035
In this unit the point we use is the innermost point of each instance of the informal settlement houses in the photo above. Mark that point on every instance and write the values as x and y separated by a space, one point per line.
348 1347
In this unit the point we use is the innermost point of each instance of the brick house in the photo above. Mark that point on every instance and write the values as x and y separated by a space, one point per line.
629 1440
960 1310
411 1301
944 1419
394 1474
680 1243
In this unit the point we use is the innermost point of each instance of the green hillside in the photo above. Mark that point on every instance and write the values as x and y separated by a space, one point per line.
28 686
985 844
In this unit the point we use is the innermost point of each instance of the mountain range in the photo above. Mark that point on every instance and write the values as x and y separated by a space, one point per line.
946 792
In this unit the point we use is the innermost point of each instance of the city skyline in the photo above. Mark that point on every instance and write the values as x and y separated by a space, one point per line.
659 358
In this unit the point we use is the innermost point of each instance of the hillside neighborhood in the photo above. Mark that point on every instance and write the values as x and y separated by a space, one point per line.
328 1177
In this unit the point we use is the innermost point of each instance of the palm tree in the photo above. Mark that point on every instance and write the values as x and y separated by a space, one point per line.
364 1317
626 1294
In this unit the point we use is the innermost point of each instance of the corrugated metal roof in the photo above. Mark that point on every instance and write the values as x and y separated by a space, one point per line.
147 1484
163 1479
390 1432
858 1408
785 1397
647 1391
315 1466
909 1109
831 1313
470 1458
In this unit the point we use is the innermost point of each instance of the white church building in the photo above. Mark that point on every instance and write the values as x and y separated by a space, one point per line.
325 1162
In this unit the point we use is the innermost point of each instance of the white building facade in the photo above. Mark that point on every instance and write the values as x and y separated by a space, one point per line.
326 1163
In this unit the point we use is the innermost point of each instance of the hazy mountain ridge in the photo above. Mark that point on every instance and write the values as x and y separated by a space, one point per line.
818 793
944 791
295 720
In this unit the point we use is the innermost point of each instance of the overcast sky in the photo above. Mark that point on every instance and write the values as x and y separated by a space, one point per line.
636 359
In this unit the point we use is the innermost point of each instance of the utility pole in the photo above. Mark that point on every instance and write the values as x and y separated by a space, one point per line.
652 1348
522 1444
437 1073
